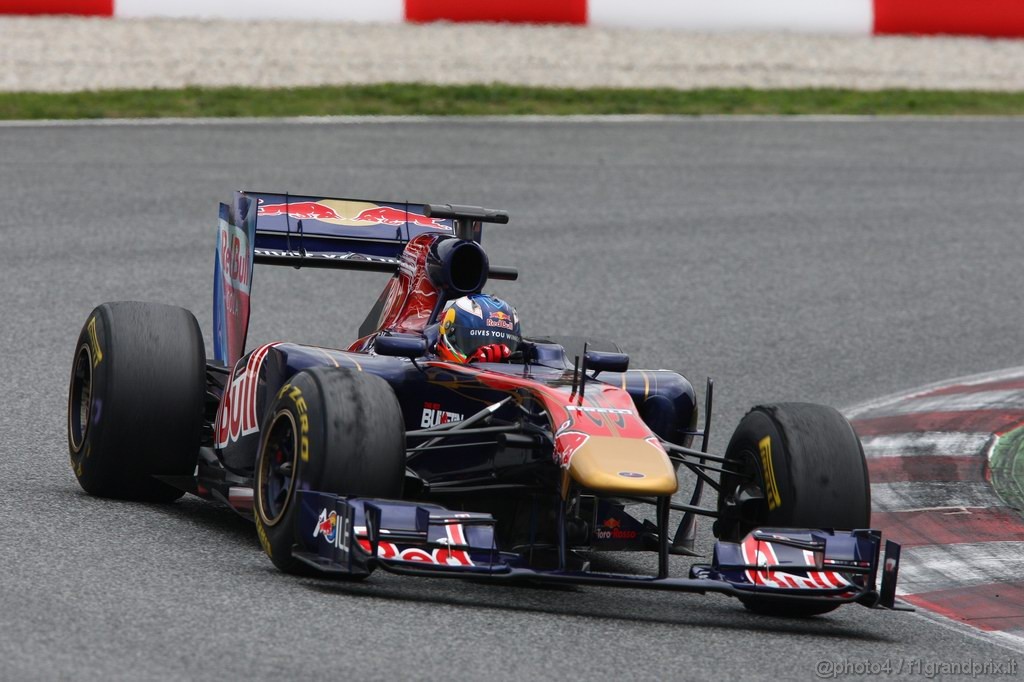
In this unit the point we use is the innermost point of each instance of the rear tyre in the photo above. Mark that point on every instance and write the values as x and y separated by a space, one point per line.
801 466
331 430
135 402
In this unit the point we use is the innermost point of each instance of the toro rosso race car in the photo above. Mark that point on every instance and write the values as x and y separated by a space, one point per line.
386 456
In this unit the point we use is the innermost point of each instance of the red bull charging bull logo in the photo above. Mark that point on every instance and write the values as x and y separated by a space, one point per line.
500 319
351 213
327 526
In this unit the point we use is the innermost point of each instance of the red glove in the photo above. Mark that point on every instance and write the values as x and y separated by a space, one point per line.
496 352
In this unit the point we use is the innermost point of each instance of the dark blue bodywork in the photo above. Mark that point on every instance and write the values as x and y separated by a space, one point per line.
499 508
664 399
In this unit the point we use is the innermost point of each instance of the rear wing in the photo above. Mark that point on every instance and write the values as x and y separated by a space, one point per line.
308 231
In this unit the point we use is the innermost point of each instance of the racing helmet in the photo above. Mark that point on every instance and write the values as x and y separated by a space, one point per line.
474 321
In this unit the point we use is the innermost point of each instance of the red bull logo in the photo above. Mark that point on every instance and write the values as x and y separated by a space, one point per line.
301 210
387 215
357 213
500 319
327 526
333 529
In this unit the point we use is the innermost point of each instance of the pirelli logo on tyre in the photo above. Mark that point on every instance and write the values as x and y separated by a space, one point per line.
261 533
94 343
295 395
771 488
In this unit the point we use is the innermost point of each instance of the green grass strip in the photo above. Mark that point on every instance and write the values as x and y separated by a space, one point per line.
474 100
1006 462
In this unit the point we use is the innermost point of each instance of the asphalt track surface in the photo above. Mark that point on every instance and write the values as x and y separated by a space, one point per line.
828 261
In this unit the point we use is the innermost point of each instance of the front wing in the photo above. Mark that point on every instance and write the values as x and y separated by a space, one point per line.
353 536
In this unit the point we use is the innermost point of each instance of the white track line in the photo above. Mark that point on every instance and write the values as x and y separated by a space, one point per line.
961 402
921 495
928 443
855 411
941 567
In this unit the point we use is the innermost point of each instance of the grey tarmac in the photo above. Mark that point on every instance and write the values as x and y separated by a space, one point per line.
820 260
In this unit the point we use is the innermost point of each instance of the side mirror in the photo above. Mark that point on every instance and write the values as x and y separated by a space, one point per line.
606 362
400 345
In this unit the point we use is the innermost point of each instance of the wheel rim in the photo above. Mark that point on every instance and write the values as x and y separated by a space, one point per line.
278 468
80 398
732 514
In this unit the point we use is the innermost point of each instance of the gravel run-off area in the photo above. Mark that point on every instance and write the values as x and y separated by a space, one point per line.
70 54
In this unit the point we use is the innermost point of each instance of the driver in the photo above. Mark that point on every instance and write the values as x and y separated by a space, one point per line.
478 328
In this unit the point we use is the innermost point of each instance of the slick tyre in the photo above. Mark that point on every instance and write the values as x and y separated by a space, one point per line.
135 401
800 466
331 430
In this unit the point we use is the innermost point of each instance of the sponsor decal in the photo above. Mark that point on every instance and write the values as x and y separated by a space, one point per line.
94 343
320 255
300 210
396 217
333 529
566 445
295 395
495 334
261 533
352 213
454 535
234 280
234 257
611 529
236 416
598 410
632 474
433 415
499 319
771 487
758 553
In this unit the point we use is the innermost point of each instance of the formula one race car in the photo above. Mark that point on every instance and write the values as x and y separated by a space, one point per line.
386 455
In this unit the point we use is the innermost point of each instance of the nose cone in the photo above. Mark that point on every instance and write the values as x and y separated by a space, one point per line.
629 466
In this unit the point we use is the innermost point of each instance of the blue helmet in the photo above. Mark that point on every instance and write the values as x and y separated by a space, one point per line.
474 321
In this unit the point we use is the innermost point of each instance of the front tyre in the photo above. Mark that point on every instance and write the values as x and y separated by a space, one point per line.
331 430
135 401
799 465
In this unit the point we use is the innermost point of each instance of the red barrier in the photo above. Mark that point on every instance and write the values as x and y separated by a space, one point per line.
992 18
516 11
103 8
